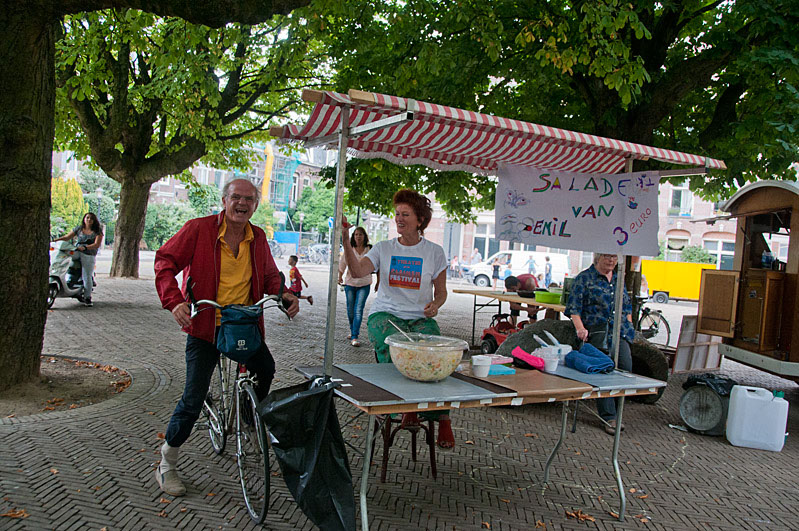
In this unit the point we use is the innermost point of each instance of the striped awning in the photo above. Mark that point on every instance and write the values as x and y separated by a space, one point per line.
447 138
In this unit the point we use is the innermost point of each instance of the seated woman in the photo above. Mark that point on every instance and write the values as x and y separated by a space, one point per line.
413 285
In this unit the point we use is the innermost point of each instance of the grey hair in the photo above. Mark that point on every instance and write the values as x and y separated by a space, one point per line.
226 189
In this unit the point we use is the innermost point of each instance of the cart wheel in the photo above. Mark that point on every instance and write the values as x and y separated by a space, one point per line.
489 345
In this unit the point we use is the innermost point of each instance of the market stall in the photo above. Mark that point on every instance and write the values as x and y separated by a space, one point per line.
571 176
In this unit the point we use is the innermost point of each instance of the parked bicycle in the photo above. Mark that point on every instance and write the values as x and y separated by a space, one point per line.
231 395
653 326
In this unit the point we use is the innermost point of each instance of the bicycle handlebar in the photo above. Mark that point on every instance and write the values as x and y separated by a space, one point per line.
195 304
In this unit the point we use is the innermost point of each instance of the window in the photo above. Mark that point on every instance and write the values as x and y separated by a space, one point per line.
681 200
484 239
586 260
674 247
722 251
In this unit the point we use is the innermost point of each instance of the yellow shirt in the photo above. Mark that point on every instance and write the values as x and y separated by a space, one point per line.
235 274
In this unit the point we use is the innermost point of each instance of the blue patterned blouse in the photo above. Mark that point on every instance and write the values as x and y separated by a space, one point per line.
591 297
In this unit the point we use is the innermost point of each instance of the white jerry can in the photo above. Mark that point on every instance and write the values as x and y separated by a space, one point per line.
756 418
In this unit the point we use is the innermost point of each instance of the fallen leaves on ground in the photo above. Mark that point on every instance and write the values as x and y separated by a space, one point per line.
531 435
164 500
160 435
468 442
643 496
16 513
632 490
540 525
614 515
162 514
580 515
54 471
485 525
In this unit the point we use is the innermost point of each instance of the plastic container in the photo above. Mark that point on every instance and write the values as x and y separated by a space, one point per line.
547 297
481 365
756 418
562 351
425 358
551 357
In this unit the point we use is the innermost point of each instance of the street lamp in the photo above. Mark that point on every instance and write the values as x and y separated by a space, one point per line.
302 217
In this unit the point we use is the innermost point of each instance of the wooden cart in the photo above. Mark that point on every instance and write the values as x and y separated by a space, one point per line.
752 307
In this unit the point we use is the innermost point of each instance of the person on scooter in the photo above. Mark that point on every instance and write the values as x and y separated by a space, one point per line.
228 260
89 238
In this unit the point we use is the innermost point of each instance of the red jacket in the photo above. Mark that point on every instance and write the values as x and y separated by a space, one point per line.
196 251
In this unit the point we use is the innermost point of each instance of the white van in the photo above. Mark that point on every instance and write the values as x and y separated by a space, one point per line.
515 263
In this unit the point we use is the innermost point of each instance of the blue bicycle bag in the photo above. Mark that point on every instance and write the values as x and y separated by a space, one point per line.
239 336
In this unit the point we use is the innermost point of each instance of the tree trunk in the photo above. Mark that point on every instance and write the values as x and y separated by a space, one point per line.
27 127
130 227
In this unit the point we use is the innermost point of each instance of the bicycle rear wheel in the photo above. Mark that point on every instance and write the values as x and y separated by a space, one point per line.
655 328
253 454
216 407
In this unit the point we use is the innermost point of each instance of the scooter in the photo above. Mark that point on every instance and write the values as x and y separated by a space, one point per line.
65 273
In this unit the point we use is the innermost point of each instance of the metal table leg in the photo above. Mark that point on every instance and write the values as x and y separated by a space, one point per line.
616 471
563 422
367 463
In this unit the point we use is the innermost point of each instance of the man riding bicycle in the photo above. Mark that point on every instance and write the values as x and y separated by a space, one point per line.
228 260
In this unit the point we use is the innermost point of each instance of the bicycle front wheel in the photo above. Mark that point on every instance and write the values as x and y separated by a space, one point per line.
655 328
216 407
253 454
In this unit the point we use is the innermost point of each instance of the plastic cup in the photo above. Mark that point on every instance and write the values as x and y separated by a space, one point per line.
551 358
481 365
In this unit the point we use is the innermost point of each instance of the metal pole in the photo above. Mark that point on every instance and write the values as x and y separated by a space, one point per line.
335 238
617 313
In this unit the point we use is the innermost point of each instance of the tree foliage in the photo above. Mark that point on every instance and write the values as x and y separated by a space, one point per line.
264 217
27 100
318 203
68 206
163 221
697 254
90 180
205 199
147 96
710 77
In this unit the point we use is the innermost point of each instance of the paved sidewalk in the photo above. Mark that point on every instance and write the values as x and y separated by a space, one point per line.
92 468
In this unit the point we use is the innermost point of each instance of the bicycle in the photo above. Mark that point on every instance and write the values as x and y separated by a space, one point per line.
653 326
220 408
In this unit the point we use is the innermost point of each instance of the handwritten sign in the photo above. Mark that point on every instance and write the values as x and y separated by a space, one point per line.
613 213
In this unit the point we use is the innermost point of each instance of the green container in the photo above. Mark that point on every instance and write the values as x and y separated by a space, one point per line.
547 297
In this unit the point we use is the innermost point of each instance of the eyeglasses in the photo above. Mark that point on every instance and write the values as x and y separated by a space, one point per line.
609 256
246 198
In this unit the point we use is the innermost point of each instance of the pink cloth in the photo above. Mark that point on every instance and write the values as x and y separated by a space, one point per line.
533 361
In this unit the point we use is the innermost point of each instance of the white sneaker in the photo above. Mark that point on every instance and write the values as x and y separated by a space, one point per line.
356 343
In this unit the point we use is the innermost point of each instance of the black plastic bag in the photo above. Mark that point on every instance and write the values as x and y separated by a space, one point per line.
308 445
720 384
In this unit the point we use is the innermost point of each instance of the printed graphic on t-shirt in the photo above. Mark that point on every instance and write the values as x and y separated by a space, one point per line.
405 272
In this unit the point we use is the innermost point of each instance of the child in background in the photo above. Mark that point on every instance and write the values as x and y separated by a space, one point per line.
297 280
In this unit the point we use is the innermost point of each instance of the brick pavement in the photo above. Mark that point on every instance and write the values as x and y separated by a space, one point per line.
104 454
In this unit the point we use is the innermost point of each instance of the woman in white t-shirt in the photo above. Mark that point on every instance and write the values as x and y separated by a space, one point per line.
413 284
355 288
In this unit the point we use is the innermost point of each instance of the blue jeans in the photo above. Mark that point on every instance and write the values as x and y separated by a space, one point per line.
356 299
87 268
201 358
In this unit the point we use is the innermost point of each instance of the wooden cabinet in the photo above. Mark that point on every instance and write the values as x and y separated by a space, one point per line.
760 303
749 311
